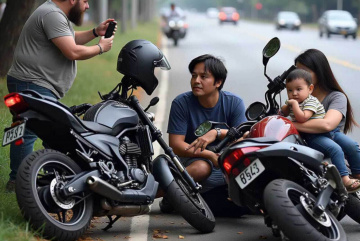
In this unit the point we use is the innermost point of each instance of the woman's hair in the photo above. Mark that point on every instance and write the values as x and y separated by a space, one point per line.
299 74
317 62
212 64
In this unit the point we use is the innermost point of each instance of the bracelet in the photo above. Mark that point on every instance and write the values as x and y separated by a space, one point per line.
101 51
94 32
218 133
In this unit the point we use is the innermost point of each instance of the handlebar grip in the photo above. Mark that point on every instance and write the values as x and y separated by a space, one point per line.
287 72
220 145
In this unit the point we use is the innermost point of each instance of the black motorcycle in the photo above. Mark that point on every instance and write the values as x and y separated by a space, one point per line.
299 193
100 165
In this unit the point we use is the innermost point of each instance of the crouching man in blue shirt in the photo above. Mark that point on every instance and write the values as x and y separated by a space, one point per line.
206 102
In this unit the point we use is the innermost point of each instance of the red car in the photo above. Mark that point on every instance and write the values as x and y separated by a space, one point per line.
229 14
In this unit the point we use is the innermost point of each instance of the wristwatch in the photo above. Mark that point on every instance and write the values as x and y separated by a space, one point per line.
218 133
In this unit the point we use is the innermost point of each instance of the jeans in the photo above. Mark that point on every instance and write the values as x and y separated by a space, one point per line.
337 146
18 153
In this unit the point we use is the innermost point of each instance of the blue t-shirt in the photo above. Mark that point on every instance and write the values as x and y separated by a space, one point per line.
187 114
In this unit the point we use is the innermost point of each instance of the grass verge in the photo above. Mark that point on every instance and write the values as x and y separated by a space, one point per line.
96 74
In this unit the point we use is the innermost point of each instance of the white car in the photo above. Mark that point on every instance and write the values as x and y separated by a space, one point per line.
337 22
212 12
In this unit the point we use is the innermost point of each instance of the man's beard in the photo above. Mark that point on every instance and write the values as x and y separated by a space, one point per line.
76 15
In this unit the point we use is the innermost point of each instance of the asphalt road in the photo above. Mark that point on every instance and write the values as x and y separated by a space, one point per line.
241 48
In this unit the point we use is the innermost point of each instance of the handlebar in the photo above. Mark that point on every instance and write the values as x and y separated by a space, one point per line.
233 134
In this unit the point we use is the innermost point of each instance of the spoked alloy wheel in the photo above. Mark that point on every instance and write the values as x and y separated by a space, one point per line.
190 205
289 205
39 179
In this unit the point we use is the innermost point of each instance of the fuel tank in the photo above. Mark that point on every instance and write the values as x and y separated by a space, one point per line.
275 126
112 114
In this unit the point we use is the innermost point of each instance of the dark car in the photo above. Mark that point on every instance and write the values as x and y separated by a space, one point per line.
228 14
287 20
337 22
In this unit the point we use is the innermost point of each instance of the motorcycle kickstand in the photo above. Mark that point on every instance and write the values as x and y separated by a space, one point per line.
111 222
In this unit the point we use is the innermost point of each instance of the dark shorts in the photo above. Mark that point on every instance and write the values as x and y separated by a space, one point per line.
215 179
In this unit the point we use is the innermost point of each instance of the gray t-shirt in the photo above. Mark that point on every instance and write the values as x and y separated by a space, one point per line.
336 101
36 57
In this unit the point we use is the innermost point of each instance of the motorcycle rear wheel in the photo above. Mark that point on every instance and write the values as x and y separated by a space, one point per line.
40 203
282 202
191 206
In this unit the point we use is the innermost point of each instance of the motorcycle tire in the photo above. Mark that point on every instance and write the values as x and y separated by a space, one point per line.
352 207
282 202
191 206
36 182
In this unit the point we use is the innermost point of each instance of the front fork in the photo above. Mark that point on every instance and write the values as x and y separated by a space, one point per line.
331 182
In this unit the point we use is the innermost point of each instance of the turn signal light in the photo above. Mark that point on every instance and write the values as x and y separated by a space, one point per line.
15 102
235 16
233 158
222 16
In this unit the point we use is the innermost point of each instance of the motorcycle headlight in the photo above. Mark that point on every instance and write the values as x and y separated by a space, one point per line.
180 24
172 24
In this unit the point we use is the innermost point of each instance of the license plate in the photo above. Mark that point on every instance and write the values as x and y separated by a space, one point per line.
250 173
13 134
343 32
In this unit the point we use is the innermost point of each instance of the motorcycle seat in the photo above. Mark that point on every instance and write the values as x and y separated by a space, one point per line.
97 128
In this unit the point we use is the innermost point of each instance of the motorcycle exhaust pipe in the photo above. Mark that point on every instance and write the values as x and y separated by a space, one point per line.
103 188
125 210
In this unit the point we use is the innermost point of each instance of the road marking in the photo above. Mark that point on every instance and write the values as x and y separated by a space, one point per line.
297 50
140 224
139 227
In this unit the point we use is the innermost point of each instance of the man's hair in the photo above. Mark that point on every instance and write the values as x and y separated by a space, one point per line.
213 65
299 74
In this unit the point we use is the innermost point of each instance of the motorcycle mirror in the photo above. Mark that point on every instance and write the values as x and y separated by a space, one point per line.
255 110
271 48
153 102
206 126
203 128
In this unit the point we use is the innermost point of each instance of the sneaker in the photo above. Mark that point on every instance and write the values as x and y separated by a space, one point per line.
10 186
165 206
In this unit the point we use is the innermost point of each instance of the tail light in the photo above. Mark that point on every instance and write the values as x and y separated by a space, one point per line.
232 159
222 16
15 102
235 16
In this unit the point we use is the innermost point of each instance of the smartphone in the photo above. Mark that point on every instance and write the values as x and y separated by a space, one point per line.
110 29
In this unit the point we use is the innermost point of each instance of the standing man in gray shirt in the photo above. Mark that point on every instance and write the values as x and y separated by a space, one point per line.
45 59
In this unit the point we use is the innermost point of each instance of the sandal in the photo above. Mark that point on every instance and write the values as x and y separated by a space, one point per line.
353 185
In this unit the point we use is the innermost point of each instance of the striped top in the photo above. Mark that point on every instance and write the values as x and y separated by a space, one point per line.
312 104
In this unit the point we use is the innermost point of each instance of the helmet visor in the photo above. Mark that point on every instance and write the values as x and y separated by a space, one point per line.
163 63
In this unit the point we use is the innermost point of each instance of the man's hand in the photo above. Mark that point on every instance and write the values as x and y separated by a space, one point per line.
214 158
106 43
202 142
101 29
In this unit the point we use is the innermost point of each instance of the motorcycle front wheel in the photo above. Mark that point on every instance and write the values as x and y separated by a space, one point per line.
190 205
284 202
352 206
38 183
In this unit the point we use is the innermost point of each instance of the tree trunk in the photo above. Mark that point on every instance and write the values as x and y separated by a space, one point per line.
15 15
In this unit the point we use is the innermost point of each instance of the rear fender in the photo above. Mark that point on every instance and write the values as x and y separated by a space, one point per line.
304 154
161 171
